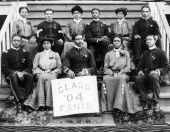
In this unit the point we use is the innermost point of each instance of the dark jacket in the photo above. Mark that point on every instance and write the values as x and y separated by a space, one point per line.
152 60
16 60
95 30
76 60
144 27
50 30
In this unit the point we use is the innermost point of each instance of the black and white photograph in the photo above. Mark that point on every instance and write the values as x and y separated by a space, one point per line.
85 66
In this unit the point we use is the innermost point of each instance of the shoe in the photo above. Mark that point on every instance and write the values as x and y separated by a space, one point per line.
19 107
157 107
144 105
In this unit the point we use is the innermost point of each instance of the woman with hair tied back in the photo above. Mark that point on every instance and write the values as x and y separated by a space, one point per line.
121 27
116 93
46 66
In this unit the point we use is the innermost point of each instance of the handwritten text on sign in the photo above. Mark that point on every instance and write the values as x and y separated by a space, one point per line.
75 96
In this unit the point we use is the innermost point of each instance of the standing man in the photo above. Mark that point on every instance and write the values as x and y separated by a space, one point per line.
152 65
16 66
146 25
51 29
97 38
78 61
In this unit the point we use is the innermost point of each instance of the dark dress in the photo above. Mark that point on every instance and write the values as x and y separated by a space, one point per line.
95 30
51 30
144 27
18 60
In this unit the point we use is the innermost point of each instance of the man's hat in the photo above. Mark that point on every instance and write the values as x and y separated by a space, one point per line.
124 10
47 39
77 8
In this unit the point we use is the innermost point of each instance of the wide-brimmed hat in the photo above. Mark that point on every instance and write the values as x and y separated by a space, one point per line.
77 8
124 10
47 39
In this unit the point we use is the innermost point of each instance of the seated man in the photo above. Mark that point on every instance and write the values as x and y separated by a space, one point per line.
79 61
97 38
152 65
16 66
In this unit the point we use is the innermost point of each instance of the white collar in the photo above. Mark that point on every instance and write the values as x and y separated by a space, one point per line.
120 21
48 20
47 51
24 20
77 47
153 47
145 18
116 50
15 48
77 21
96 19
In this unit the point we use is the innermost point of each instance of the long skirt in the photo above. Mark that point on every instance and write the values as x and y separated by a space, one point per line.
119 95
42 94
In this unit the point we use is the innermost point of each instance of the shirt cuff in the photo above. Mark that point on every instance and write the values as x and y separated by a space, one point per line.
158 72
66 71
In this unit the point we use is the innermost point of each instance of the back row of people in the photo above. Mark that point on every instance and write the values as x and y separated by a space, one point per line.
97 36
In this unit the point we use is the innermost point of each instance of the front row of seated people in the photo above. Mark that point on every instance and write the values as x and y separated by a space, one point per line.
79 61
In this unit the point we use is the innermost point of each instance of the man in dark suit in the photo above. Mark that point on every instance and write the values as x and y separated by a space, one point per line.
144 26
79 61
152 65
51 29
97 38
16 66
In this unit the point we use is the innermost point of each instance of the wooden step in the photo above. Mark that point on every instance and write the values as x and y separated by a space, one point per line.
3 102
86 5
3 97
5 91
62 13
165 89
166 110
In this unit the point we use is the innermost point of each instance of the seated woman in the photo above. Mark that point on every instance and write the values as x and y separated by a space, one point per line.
46 66
76 26
116 94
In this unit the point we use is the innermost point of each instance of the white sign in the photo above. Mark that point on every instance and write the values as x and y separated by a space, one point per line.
75 96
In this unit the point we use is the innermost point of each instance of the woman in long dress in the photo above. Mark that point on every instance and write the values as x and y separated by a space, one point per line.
46 66
116 93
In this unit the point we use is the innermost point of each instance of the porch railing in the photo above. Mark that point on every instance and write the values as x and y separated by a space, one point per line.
157 12
6 32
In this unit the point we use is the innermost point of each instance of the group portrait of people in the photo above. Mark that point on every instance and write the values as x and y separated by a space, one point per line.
121 52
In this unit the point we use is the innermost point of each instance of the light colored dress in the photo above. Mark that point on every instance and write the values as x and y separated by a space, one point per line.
24 28
122 28
118 94
73 27
46 66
